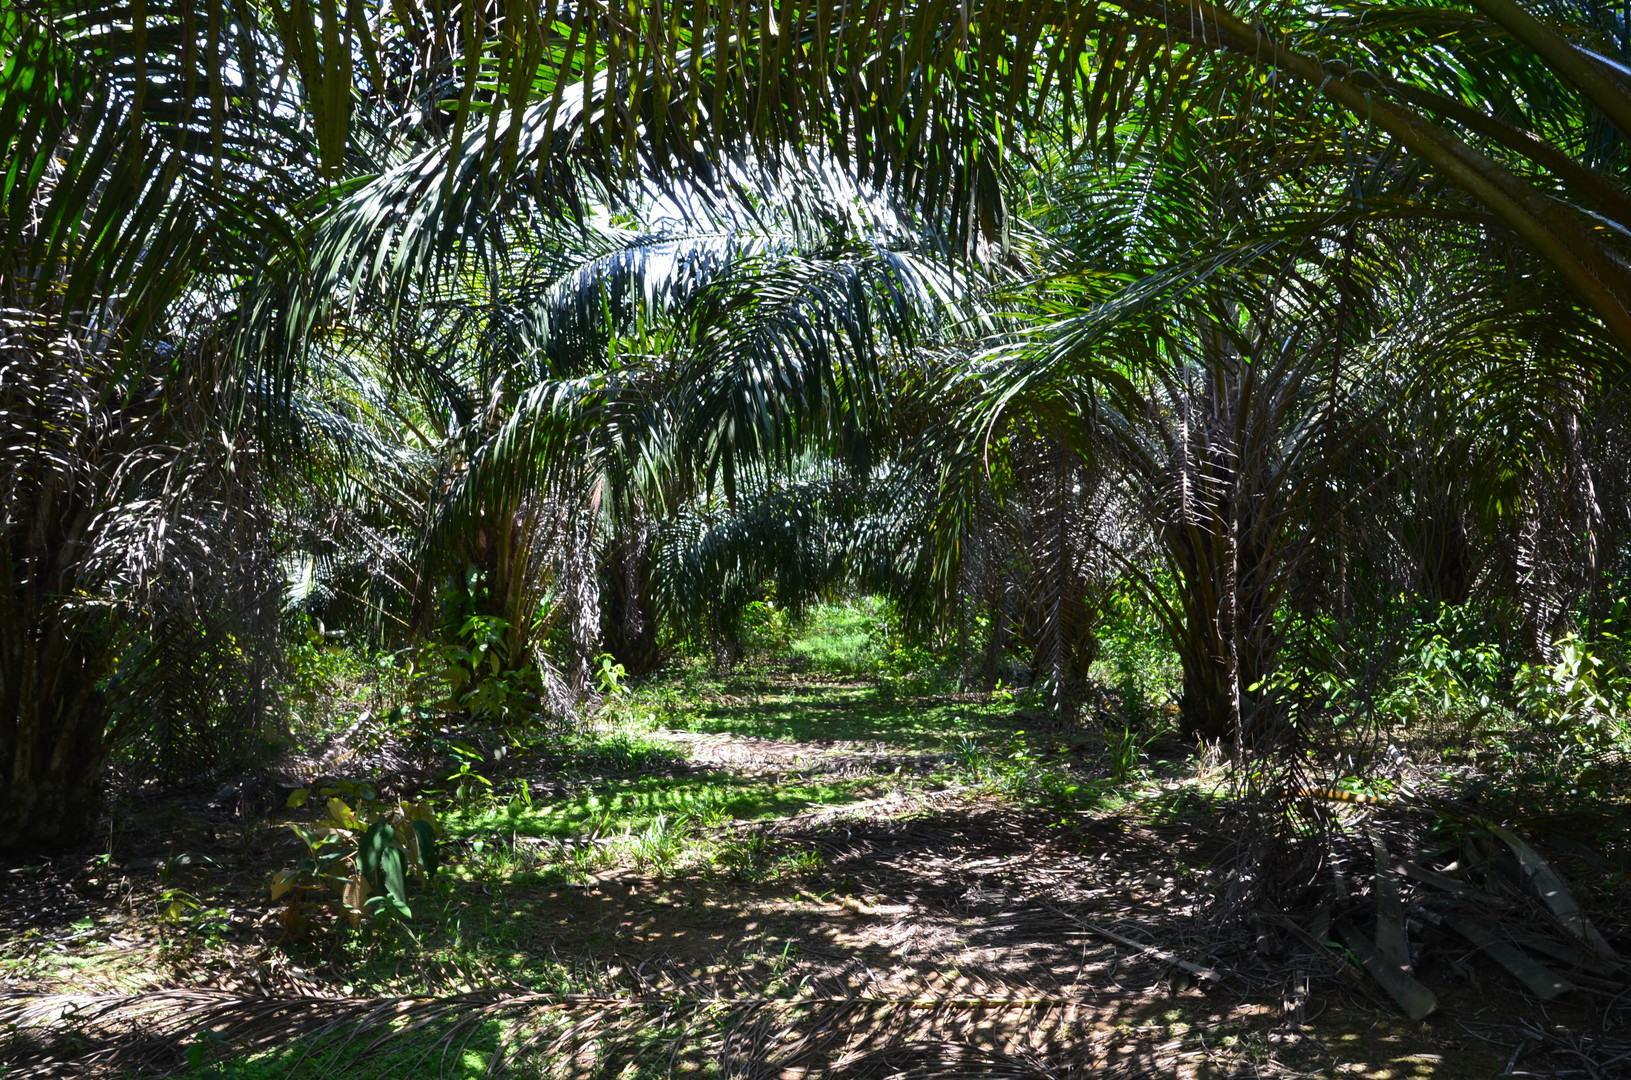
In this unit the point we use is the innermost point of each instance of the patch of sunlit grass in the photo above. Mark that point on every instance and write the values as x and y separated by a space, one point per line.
630 805
852 713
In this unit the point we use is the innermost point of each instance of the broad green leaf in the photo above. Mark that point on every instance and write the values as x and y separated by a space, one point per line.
428 856
342 815
392 871
283 882
372 848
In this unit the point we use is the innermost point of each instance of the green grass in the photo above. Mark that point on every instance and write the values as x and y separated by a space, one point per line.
495 914
842 638
859 713
457 1058
634 804
545 915
622 748
488 911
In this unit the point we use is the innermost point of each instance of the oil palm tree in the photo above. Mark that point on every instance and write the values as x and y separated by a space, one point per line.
927 100
296 163
134 529
603 378
140 595
1093 79
1228 395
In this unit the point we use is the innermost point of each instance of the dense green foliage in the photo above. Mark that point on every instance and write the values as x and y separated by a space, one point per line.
1272 357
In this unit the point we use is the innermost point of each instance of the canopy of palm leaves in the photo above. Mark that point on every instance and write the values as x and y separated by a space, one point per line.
597 322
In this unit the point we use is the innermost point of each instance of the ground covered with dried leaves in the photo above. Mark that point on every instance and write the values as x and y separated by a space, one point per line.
787 877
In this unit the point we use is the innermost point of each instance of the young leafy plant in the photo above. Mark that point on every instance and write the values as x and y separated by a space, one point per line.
1583 696
362 855
483 680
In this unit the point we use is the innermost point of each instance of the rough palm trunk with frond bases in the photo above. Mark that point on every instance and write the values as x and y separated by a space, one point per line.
1227 644
55 646
629 622
53 722
138 593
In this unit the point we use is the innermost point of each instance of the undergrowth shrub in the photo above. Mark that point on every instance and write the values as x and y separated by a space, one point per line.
1136 662
905 666
483 680
1583 696
363 855
1016 771
1450 672
328 686
766 628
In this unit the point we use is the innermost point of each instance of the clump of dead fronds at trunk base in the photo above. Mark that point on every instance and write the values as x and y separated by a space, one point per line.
1416 879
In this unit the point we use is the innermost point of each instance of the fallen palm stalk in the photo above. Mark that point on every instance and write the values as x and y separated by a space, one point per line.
1144 949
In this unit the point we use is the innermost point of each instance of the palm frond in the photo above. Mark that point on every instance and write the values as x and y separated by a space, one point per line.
927 1036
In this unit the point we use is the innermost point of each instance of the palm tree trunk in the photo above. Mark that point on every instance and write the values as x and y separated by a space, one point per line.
53 742
628 621
1225 568
53 720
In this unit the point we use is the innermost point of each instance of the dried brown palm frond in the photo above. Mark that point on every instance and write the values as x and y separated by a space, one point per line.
942 1060
1395 894
1011 1032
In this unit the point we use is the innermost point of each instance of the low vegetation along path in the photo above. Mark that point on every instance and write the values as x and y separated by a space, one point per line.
773 876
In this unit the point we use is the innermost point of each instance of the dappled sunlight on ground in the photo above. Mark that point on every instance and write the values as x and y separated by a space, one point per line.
870 868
